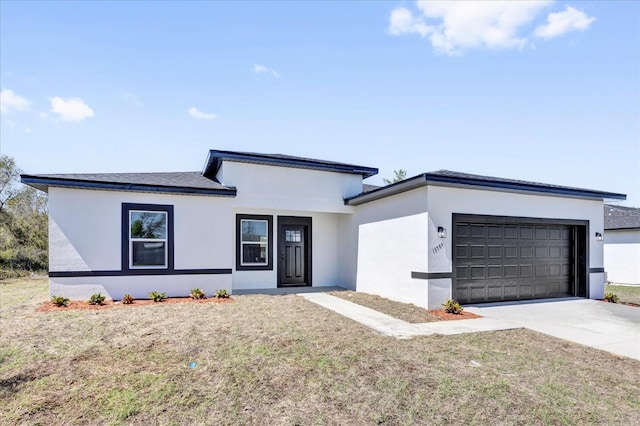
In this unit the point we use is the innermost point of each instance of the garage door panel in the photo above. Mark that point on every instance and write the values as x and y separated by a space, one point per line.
478 272
477 252
512 261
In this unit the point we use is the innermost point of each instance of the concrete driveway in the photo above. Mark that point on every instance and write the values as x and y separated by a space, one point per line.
607 326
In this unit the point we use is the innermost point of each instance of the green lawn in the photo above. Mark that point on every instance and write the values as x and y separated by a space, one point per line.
284 360
627 294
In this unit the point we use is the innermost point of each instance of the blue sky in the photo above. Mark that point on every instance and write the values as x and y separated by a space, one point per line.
544 91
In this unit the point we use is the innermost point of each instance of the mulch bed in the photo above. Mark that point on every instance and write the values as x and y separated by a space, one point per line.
440 313
635 305
83 305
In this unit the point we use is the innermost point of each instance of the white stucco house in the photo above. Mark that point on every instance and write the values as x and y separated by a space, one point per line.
261 221
622 244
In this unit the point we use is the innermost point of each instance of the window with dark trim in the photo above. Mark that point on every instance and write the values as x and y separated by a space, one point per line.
147 237
254 242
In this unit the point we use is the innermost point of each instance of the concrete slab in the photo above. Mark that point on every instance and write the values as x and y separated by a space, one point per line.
610 327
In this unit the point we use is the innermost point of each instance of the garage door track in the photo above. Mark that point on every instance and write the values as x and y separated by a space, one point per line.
607 326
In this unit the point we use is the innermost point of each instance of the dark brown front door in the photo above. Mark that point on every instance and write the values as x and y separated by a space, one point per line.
294 261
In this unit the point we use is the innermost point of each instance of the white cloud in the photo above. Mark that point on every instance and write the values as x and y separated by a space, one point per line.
72 109
9 101
403 22
261 69
193 111
561 23
453 27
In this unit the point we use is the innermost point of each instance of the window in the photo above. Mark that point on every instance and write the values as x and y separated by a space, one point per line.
147 237
254 240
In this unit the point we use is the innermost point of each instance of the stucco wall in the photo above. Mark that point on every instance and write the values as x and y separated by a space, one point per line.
85 235
286 188
325 259
391 242
384 263
622 256
444 201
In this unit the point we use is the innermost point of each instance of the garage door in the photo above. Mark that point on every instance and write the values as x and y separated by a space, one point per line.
512 261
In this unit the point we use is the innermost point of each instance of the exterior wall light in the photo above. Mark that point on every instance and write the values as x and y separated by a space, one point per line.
442 233
599 236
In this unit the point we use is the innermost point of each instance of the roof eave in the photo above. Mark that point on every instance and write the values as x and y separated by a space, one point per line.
43 184
215 158
387 191
526 188
426 179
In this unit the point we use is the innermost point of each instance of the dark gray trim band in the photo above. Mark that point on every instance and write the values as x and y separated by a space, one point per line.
71 274
43 183
431 275
596 270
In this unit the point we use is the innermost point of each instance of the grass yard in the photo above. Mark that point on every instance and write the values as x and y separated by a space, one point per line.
284 360
627 294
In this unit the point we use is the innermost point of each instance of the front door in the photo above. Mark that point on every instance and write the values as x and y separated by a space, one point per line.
294 262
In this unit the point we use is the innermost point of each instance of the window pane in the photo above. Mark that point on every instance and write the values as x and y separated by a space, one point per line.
254 230
148 253
148 225
254 253
291 236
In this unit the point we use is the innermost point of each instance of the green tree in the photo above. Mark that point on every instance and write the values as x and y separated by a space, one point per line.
23 224
9 184
399 175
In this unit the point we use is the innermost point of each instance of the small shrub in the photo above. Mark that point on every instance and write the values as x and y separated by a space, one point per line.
127 299
611 297
197 293
156 296
452 307
96 299
222 294
59 301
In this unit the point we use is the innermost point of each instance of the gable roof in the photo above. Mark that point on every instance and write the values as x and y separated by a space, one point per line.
170 182
215 158
467 180
621 217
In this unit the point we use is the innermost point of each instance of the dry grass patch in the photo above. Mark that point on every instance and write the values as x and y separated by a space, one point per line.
405 311
627 294
284 360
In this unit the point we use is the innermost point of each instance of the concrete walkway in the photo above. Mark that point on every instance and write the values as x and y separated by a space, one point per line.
610 327
394 327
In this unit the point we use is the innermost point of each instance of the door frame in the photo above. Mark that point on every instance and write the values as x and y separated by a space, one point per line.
578 227
305 222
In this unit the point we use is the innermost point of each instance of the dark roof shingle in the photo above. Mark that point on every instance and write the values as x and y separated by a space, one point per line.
172 182
621 217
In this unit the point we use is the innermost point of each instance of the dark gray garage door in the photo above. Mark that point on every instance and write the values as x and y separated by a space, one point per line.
512 261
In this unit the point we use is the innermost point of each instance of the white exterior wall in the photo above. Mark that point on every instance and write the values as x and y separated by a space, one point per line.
85 235
392 235
85 231
325 261
287 188
444 201
622 256
398 235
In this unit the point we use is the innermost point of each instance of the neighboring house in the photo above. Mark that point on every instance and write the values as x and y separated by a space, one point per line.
622 244
257 221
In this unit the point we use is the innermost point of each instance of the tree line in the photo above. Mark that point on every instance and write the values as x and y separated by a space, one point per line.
23 224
